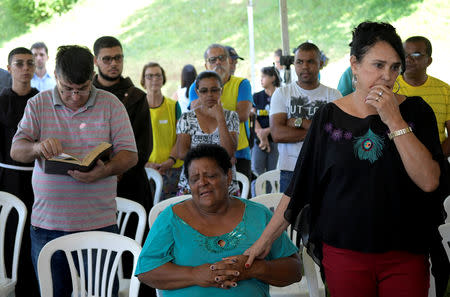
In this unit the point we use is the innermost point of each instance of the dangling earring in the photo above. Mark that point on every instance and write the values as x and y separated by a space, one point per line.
354 81
398 87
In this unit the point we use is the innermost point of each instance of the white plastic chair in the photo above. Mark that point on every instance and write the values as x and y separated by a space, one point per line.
7 203
313 287
271 176
125 207
447 209
159 207
83 245
157 178
243 179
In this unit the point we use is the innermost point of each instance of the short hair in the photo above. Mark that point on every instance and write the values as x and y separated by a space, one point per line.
428 47
105 42
207 74
307 47
211 151
18 51
278 52
272 71
367 34
38 45
188 75
148 65
74 63
215 45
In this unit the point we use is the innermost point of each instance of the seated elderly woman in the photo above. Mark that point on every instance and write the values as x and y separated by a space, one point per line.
195 247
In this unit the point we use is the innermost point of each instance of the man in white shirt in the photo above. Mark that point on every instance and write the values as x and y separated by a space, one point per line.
41 80
293 106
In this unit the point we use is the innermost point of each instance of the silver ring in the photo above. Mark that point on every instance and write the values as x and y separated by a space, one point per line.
380 93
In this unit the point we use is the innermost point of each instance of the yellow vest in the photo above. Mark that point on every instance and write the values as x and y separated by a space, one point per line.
436 93
229 101
164 124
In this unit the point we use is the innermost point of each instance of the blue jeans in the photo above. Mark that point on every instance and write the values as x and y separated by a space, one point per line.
285 179
263 161
62 282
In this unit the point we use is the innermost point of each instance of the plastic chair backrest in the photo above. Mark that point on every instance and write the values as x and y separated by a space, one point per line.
243 179
85 246
159 207
445 233
271 201
125 207
271 176
157 178
7 203
447 209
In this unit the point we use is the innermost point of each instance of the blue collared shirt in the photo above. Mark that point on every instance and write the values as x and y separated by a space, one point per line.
44 83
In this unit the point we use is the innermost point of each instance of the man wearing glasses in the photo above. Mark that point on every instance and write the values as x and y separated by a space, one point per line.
14 176
74 117
416 82
108 53
236 96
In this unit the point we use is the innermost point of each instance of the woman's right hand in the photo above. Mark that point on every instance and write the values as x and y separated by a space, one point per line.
259 250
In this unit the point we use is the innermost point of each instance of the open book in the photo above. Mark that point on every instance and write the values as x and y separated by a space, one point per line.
62 163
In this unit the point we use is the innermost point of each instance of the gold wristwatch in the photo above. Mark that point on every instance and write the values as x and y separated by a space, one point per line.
298 122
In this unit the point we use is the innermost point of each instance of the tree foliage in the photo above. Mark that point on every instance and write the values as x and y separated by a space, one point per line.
32 12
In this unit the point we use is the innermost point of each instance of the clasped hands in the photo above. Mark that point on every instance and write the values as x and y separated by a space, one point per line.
223 274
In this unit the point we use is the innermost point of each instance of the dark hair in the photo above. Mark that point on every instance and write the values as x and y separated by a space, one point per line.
367 34
188 75
148 65
38 45
216 45
207 74
278 52
105 42
307 47
18 51
425 40
211 151
272 71
74 63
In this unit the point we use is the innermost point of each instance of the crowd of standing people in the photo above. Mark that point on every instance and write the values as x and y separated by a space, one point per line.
363 159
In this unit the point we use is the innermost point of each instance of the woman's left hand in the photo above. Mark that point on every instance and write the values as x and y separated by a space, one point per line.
386 104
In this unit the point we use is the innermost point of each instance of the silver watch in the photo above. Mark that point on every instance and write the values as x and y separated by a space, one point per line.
298 122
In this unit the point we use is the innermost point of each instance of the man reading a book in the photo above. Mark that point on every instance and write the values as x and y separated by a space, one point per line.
73 118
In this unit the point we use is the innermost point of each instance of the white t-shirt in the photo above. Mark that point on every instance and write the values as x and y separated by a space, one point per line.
296 102
183 101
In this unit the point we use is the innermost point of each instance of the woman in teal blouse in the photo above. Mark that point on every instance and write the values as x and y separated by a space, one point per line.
195 247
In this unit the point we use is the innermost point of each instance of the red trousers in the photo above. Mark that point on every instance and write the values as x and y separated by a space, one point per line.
392 274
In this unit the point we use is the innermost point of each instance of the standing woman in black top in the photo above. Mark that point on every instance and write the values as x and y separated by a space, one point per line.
374 176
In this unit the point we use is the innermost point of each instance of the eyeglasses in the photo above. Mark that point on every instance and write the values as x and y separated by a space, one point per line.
213 60
108 59
153 76
66 91
212 91
415 55
20 63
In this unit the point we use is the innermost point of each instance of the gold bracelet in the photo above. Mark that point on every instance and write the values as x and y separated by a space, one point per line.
394 134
